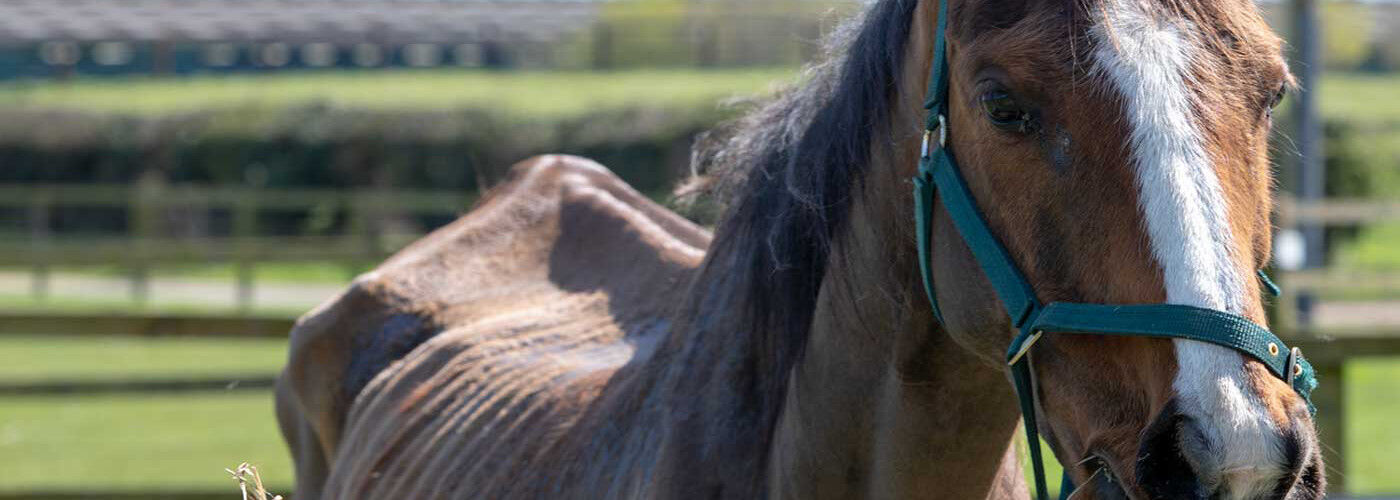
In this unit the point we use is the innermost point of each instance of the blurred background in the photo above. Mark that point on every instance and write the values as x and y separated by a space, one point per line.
180 179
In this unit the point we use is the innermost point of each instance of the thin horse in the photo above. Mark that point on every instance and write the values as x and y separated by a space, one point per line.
570 338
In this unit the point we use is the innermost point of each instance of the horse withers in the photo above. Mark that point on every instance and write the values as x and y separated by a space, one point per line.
569 338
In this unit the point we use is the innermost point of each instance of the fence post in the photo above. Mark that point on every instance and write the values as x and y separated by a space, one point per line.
40 231
364 226
602 46
143 212
245 230
1330 398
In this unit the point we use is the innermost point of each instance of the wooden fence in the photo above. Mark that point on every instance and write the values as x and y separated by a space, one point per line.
1328 348
363 241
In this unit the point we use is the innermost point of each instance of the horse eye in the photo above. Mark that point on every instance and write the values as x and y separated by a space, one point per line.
1278 96
1005 112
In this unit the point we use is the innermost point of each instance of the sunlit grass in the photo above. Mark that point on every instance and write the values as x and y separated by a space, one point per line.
526 94
1373 438
99 357
122 304
269 272
1363 97
139 443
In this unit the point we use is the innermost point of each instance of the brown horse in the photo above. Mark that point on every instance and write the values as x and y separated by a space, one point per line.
570 339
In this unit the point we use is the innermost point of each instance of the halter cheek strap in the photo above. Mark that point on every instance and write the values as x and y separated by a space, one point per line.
939 180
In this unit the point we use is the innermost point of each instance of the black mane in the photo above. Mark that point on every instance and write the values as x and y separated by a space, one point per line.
788 171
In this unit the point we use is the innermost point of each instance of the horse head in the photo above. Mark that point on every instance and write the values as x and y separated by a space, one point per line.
1119 151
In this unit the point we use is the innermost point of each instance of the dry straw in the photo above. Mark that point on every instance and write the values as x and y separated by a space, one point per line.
247 475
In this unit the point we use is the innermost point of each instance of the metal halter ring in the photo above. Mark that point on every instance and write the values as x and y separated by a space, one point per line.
928 134
942 131
1292 367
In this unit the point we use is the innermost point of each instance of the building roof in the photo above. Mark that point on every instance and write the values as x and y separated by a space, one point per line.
336 21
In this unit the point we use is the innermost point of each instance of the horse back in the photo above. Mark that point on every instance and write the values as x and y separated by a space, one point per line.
466 359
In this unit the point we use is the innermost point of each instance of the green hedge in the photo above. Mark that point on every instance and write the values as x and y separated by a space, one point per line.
318 146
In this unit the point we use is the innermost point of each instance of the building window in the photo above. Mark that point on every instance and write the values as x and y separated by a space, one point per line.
318 55
59 53
467 54
220 55
367 55
422 55
276 55
112 53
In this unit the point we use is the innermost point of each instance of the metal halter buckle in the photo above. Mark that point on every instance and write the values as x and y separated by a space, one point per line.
924 150
1291 369
1025 347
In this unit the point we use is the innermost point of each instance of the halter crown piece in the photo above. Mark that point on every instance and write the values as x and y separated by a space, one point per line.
938 173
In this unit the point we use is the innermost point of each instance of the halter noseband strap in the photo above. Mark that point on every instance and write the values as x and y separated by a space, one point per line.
938 174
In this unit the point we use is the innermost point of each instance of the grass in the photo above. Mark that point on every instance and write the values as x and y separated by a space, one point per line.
1353 96
1373 439
526 93
121 304
34 357
1377 248
263 272
1365 97
177 442
139 443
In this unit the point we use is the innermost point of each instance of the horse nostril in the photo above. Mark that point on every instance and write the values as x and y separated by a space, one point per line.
1302 478
1163 470
1177 460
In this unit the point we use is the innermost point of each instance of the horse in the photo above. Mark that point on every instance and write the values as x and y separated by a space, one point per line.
570 338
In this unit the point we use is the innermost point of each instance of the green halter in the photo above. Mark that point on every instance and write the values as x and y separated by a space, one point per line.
938 172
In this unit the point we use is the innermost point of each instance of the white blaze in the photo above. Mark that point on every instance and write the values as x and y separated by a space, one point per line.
1146 55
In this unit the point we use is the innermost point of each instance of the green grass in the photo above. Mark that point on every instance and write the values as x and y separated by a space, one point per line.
146 443
263 272
122 304
525 94
1377 248
184 441
1354 96
1373 437
34 357
1364 97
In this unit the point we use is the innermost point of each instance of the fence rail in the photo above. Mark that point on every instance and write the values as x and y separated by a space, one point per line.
184 196
366 241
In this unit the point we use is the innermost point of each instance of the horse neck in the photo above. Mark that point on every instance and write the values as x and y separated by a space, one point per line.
883 403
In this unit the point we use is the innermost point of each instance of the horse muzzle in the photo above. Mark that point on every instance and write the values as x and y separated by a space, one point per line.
1180 458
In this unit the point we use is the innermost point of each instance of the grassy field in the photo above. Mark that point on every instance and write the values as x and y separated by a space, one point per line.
526 94
21 302
1360 96
1353 96
183 442
29 357
272 272
1365 97
1373 401
138 443
173 442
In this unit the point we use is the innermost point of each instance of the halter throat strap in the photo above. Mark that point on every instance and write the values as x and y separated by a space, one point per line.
938 180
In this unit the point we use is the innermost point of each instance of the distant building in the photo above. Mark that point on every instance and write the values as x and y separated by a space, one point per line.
47 38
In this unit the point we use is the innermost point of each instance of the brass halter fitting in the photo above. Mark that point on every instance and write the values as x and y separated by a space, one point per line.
924 150
1025 347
